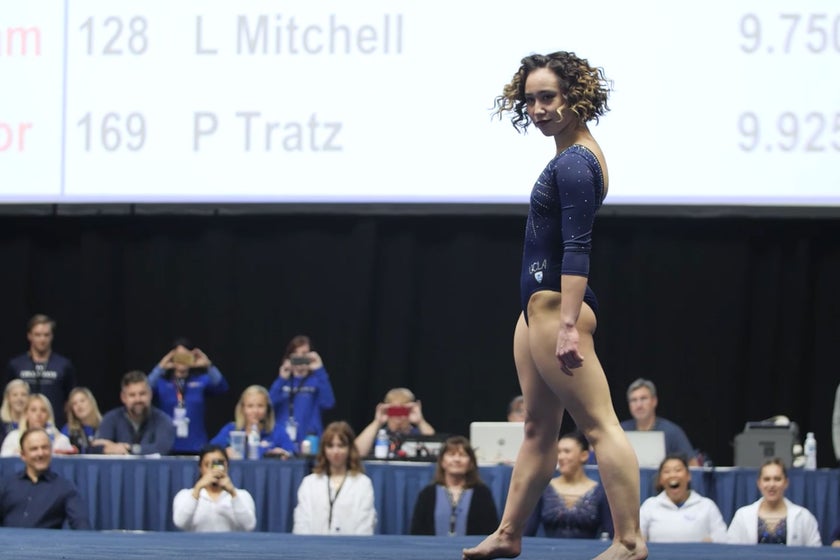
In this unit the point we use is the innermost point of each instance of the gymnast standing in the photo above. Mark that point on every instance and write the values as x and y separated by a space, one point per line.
553 346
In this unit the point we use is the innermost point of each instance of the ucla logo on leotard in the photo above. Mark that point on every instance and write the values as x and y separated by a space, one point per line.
536 270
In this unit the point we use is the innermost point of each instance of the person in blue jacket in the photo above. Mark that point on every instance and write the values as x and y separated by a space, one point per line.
180 383
254 409
301 391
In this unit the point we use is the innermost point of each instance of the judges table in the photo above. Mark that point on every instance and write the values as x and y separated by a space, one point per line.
137 493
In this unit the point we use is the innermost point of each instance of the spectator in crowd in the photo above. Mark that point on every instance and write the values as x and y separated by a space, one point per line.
573 506
46 372
401 414
38 497
774 519
83 418
678 513
214 504
14 404
38 414
136 428
254 409
301 391
457 502
516 409
642 400
180 382
346 508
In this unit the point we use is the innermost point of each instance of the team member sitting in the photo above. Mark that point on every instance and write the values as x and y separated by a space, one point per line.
38 497
573 506
337 498
774 519
214 504
678 513
457 502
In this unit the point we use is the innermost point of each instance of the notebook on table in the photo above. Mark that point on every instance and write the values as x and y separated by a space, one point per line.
649 447
496 442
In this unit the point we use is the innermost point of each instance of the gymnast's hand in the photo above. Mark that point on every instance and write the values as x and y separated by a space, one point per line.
567 349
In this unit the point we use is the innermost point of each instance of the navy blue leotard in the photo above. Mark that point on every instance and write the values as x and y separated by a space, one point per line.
558 234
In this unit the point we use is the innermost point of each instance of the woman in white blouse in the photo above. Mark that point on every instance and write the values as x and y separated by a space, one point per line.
774 519
214 504
337 498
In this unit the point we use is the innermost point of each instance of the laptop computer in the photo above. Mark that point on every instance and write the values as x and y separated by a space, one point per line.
649 447
496 442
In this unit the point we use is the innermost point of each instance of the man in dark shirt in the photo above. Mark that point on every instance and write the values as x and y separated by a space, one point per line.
137 428
37 497
45 371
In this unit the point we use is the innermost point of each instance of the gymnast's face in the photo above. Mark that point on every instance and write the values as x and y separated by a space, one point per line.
674 478
772 482
545 103
570 457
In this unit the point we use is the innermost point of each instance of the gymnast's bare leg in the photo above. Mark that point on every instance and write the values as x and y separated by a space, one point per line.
585 394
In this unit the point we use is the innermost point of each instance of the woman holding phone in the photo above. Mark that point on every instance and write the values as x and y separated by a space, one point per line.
301 391
214 504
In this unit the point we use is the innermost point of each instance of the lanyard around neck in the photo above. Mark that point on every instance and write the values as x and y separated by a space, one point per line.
453 503
332 498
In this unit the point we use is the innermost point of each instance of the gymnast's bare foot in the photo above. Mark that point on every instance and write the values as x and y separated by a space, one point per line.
619 551
497 545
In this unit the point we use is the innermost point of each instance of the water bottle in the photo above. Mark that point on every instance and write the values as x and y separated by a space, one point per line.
382 445
810 452
254 442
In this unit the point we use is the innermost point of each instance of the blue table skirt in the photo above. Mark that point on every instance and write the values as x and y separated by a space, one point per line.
136 494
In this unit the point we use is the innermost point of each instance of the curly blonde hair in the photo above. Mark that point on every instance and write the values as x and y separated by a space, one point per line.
585 88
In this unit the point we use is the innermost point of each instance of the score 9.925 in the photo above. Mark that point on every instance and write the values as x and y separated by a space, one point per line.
811 132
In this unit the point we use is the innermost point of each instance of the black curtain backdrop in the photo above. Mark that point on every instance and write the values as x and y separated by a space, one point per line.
734 318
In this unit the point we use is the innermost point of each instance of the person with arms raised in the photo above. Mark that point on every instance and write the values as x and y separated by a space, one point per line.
181 383
214 504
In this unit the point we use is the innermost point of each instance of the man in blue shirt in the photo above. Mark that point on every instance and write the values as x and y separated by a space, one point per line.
37 497
45 371
642 400
137 428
